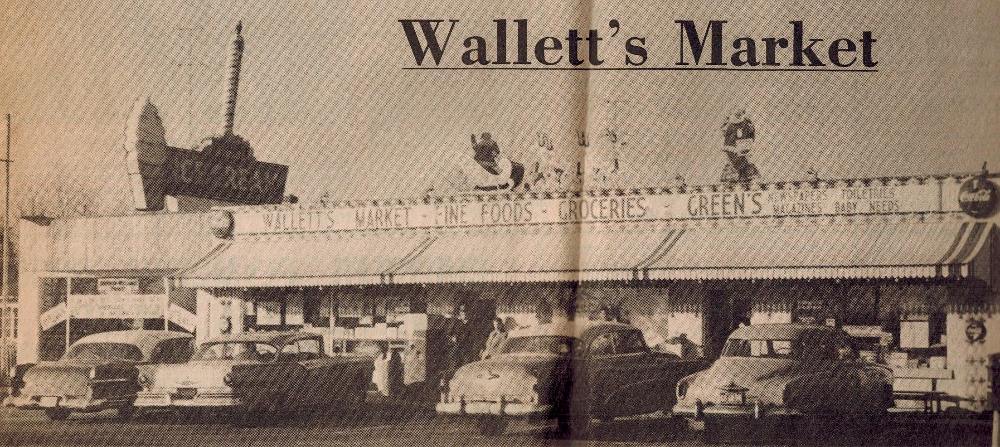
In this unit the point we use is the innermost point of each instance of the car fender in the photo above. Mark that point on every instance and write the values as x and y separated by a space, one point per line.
808 392
266 384
658 392
638 395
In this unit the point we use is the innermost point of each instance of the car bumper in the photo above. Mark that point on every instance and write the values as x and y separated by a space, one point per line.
700 411
164 400
76 404
493 408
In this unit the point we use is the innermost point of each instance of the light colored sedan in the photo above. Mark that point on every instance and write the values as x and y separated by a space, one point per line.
98 372
792 371
251 374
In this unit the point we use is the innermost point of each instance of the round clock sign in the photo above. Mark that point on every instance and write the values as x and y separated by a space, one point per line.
222 224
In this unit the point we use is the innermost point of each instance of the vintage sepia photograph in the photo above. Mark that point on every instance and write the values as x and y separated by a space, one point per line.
509 223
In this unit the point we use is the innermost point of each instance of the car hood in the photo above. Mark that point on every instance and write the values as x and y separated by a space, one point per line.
195 374
764 379
507 374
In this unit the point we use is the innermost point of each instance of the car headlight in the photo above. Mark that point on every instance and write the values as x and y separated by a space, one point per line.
12 372
682 389
531 397
92 374
145 381
228 379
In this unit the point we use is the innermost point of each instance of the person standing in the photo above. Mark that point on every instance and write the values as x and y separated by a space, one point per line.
497 336
543 312
458 340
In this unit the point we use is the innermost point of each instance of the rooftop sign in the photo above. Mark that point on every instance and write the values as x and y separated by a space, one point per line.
847 199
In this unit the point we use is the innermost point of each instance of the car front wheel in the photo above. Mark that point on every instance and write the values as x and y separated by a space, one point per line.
126 412
492 426
57 414
710 435
573 425
249 417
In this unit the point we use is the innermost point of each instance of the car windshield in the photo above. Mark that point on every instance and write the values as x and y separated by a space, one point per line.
538 345
759 348
104 352
811 347
245 351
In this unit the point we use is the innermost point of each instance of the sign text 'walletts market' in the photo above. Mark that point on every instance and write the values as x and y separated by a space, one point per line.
498 211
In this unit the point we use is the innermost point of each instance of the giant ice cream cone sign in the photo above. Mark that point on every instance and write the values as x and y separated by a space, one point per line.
146 153
235 64
222 168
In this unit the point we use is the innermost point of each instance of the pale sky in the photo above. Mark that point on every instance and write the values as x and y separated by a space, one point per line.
323 90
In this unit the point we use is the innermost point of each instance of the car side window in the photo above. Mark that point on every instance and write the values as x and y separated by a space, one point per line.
632 342
173 351
604 344
818 346
845 350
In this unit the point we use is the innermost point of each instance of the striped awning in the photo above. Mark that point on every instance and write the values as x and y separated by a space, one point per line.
728 250
846 250
533 255
302 261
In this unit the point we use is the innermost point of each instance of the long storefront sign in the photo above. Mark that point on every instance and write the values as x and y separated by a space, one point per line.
873 200
116 306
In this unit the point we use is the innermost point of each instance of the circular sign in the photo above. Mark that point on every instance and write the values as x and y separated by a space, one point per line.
978 197
975 330
222 224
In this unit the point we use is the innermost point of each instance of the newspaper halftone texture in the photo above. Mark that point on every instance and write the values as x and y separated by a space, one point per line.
450 223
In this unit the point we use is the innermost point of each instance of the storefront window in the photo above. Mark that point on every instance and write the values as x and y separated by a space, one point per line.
83 286
53 292
315 309
151 286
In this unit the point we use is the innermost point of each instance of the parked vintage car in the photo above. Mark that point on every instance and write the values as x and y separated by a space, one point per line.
569 371
253 373
795 372
98 372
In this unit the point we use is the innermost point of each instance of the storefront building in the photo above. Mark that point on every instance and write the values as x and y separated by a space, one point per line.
906 265
85 275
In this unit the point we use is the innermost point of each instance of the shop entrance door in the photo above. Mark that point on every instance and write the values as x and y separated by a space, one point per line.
723 313
481 314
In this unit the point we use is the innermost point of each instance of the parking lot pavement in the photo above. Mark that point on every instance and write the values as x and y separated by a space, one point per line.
389 424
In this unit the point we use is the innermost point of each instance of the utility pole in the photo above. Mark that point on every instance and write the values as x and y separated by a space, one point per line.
6 314
6 215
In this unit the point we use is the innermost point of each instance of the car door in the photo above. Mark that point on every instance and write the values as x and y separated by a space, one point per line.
293 383
870 385
318 385
614 364
641 375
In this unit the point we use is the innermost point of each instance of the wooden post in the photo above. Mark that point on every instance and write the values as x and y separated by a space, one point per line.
166 303
996 428
68 315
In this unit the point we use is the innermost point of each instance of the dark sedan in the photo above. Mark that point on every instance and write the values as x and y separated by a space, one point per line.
573 372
